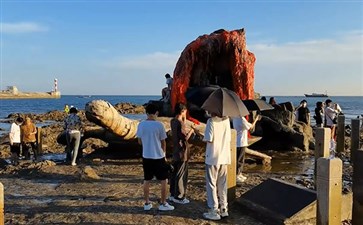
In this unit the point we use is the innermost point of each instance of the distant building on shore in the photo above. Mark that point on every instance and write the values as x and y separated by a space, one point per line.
12 92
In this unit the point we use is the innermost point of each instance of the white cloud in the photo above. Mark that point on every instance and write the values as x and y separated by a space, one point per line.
344 49
311 66
22 27
292 68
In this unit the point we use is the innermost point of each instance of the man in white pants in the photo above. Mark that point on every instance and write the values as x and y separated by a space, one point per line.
217 157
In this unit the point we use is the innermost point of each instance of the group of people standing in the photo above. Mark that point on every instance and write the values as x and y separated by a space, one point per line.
22 138
152 136
325 115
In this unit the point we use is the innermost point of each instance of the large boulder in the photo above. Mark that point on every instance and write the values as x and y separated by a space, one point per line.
280 131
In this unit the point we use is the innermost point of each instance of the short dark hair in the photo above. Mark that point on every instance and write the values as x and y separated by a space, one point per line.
303 101
272 100
73 110
328 101
167 75
319 104
151 108
19 120
179 107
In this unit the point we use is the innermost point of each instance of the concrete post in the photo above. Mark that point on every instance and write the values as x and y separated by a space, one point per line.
39 140
231 170
357 217
354 138
322 142
340 133
2 217
329 191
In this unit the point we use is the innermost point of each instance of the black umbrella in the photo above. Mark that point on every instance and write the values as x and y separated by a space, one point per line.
224 102
257 104
198 95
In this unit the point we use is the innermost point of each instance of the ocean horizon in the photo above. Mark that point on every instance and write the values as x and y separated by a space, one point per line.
352 106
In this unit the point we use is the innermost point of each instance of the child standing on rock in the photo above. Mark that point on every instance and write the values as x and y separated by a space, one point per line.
15 140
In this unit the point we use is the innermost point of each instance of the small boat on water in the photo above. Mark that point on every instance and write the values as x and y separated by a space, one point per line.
316 95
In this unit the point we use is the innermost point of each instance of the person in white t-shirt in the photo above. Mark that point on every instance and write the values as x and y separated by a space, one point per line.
242 126
217 157
166 91
331 114
151 135
15 140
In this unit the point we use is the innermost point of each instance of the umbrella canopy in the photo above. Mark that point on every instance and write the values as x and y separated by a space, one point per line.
224 102
257 104
198 95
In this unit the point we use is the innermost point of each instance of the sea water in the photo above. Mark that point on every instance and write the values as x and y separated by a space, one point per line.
21 106
352 106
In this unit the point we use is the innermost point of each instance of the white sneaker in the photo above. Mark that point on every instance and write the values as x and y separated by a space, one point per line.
166 207
181 201
332 145
224 213
241 178
212 215
147 207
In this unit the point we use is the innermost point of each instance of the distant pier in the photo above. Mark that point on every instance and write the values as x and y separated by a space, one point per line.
12 92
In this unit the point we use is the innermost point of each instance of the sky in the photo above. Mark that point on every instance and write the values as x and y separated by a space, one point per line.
124 47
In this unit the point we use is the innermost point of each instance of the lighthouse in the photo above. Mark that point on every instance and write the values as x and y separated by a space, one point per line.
55 85
55 91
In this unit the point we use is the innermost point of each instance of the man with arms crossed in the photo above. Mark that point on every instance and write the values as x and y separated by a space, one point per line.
151 135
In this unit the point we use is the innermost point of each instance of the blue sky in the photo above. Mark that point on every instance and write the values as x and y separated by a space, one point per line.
126 47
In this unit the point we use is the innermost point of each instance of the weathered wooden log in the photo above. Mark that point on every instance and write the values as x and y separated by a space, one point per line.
118 128
105 115
266 159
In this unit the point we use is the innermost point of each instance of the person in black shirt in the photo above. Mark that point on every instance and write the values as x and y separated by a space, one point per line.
303 113
319 114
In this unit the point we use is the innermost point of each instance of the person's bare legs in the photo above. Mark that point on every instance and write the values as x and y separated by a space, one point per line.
163 191
146 191
333 132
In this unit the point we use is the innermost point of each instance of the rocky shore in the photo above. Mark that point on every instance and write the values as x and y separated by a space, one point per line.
106 187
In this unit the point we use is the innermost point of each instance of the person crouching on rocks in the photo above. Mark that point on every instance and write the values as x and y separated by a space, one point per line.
15 140
28 138
73 127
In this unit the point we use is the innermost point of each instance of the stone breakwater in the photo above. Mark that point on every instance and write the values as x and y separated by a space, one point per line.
29 95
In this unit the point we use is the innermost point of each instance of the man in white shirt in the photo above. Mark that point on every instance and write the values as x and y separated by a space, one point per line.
151 135
331 114
217 157
15 140
242 126
167 94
